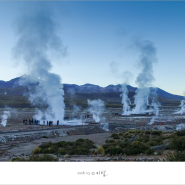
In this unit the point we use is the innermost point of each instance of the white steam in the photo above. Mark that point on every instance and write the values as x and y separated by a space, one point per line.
145 77
155 104
124 78
76 109
5 116
141 101
37 40
180 126
182 108
75 122
152 120
96 108
125 100
105 126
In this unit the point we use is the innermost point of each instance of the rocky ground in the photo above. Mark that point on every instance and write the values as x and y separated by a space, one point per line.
22 144
17 139
24 149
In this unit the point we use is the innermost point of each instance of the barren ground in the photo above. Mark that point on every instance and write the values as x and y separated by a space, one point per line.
166 121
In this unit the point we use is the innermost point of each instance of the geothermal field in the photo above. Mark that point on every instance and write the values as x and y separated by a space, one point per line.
44 119
100 125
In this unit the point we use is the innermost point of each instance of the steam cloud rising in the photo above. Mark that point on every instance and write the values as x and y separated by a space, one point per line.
125 76
145 77
5 116
76 109
37 39
96 108
180 126
125 100
182 108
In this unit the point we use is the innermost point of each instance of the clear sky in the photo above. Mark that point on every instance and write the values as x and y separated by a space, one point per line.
100 33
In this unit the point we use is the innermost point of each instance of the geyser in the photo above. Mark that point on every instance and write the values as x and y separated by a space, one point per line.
182 108
5 116
125 100
96 108
37 42
145 78
124 77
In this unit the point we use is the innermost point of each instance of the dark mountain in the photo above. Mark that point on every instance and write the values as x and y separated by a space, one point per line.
164 94
13 88
90 88
10 83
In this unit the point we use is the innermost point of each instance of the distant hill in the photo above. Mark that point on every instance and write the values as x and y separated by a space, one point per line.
90 88
11 87
9 84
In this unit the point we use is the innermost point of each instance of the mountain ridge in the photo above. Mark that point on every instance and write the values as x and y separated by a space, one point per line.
90 88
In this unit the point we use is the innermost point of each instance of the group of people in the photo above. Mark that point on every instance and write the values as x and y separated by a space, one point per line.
37 122
49 123
25 121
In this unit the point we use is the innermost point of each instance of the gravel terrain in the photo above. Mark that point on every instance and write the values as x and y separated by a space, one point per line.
17 139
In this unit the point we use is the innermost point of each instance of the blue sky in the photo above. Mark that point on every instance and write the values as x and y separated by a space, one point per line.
99 33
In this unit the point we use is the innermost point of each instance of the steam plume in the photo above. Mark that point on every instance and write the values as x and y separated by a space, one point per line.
76 109
37 39
125 100
141 100
182 108
180 126
145 77
9 112
96 108
155 104
105 126
5 116
124 77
